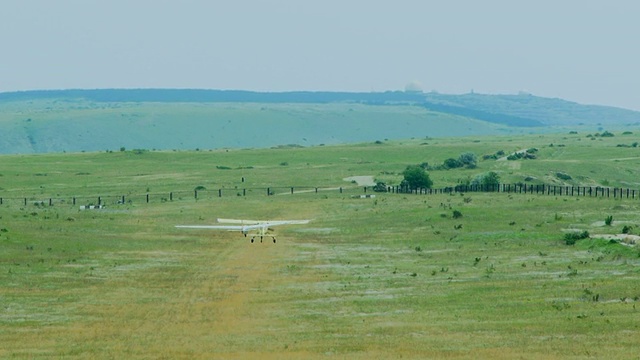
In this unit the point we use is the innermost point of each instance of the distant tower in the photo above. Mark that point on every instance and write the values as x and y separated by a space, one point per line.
413 87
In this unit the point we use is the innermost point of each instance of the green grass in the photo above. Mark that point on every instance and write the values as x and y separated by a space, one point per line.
41 126
388 277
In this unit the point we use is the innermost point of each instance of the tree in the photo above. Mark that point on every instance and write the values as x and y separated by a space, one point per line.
469 159
416 178
490 180
452 163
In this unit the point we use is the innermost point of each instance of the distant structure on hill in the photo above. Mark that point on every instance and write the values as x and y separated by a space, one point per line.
413 87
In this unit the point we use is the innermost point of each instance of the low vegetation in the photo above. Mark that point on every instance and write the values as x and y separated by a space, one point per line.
460 275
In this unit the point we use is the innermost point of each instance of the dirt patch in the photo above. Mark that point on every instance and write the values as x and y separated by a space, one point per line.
361 180
626 239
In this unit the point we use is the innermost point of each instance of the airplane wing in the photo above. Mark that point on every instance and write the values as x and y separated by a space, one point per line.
243 227
262 223
262 227
230 228
225 227
237 221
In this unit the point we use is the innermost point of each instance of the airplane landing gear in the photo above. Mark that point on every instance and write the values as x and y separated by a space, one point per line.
253 239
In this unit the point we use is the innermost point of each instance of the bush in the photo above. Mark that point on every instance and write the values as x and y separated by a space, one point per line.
468 159
608 220
416 178
457 214
452 163
571 238
563 176
380 187
490 180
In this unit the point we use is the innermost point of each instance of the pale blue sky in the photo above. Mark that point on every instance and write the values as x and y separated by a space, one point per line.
585 51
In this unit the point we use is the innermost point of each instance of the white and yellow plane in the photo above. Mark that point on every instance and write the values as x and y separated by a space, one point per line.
262 228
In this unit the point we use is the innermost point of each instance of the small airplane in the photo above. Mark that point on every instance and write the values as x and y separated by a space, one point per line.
261 227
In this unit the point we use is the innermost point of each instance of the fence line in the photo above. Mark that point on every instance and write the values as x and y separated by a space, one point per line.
198 194
542 189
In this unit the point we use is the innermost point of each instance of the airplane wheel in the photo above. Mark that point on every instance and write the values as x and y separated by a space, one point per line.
252 240
274 240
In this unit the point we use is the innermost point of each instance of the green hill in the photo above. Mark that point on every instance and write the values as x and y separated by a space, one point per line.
98 120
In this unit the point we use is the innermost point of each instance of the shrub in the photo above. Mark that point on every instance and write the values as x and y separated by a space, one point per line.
490 180
416 178
457 214
468 159
563 176
380 187
572 237
452 163
608 220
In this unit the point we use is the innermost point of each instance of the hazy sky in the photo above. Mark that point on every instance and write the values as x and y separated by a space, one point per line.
580 50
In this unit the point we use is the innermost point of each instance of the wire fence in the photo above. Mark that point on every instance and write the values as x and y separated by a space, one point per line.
541 189
356 191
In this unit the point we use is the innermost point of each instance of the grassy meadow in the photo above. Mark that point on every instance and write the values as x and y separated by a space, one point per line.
65 125
395 276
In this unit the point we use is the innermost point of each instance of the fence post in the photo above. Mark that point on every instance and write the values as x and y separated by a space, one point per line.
147 198
292 189
340 189
268 191
99 200
171 196
244 192
50 202
195 194
219 192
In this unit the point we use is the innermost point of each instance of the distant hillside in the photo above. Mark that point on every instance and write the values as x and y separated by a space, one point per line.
97 120
554 112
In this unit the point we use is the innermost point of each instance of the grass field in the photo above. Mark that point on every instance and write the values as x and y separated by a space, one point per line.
395 276
78 125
